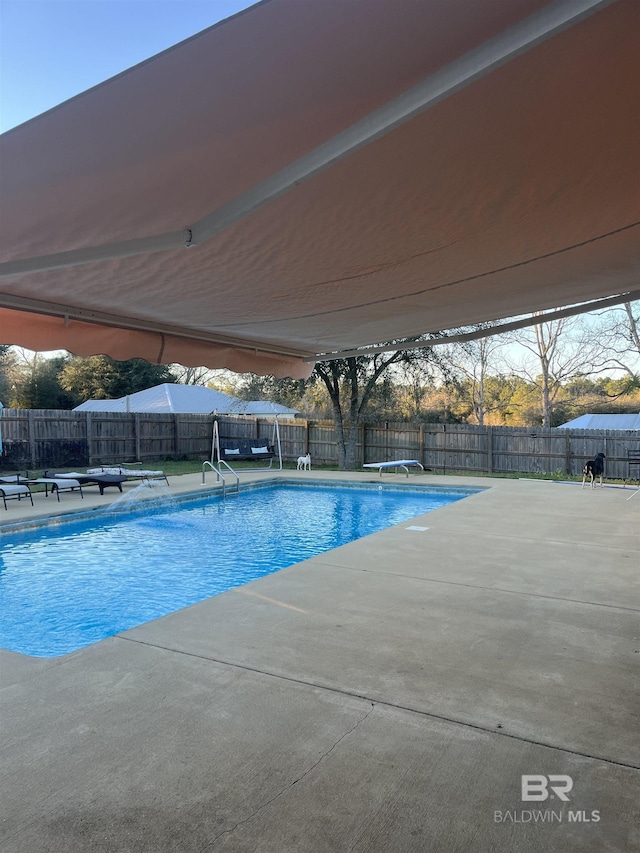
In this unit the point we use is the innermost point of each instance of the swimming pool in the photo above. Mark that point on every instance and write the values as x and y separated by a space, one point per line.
65 586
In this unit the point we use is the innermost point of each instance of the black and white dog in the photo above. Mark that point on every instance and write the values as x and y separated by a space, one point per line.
593 469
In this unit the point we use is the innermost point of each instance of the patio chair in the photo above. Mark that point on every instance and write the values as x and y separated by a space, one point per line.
15 492
633 469
633 466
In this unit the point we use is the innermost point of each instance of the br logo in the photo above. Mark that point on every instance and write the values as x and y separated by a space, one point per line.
537 787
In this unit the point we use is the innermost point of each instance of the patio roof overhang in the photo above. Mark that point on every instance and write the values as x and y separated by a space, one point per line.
306 178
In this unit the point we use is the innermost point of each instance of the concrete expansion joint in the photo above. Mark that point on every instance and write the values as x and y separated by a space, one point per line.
210 844
519 592
456 721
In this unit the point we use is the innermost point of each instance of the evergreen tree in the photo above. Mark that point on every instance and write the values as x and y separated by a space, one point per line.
99 377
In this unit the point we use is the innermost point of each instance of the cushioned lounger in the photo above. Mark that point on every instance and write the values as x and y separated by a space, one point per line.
103 481
129 473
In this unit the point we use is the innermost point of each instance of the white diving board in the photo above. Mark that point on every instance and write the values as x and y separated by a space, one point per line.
398 463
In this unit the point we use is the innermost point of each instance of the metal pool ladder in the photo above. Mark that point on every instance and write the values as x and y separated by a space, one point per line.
220 475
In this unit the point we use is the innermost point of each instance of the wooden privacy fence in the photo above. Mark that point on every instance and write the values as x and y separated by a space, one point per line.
42 438
500 450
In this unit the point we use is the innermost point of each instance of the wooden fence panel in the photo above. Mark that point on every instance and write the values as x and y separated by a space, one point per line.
465 448
194 434
55 439
238 427
456 447
391 441
158 436
292 436
41 437
433 452
112 438
613 443
322 443
528 451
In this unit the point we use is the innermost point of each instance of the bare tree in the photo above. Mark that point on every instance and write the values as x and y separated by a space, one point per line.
476 360
350 383
619 332
194 375
558 351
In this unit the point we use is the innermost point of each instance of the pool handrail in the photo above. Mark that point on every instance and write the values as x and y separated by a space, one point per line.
220 475
226 465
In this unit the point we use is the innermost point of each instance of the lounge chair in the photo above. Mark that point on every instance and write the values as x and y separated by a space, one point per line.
102 481
57 485
129 473
15 492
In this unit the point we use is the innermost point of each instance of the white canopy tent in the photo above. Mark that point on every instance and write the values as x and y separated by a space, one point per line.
167 397
308 178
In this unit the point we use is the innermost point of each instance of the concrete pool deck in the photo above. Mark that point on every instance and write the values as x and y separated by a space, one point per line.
387 696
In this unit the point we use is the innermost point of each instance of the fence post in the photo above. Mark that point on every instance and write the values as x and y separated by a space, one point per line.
89 429
307 427
362 429
489 450
444 448
32 437
567 453
175 434
136 435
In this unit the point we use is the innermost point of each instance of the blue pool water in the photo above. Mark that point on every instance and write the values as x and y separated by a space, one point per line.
66 586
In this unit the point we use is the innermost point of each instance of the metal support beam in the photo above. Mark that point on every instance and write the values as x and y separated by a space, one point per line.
488 332
68 312
435 88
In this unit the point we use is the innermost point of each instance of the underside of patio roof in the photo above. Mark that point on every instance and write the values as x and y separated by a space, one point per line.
306 178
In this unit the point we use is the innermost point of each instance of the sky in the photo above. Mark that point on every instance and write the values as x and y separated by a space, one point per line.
51 50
